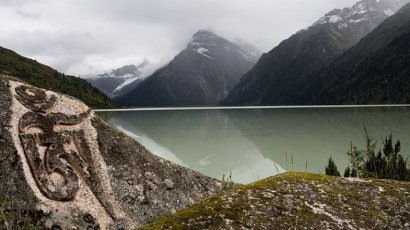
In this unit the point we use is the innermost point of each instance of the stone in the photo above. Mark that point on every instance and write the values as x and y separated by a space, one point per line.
169 183
293 201
63 167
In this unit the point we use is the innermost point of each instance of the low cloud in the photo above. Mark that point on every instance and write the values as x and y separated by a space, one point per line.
80 37
28 14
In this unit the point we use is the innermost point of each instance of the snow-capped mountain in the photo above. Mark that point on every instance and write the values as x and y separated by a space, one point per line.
205 42
280 74
369 11
374 71
117 81
202 74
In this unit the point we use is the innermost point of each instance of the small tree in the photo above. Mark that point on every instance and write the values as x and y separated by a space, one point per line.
354 173
331 169
356 158
388 163
347 172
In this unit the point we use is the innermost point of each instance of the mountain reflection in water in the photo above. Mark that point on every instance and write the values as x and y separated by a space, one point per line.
253 144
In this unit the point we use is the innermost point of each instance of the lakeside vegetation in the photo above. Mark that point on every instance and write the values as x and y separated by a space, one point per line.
387 163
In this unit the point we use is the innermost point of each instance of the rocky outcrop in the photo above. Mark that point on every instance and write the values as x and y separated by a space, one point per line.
61 166
300 201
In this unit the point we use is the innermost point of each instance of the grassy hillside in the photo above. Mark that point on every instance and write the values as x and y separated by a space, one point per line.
42 76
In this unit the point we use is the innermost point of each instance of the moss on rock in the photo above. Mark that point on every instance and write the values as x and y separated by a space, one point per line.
301 200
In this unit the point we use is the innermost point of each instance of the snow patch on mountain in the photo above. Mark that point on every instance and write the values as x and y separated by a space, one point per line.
365 10
389 12
125 83
203 51
334 18
209 45
112 82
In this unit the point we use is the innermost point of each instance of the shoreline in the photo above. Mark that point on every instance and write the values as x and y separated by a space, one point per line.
247 107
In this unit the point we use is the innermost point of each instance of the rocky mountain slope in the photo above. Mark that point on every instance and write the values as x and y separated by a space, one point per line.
40 75
202 74
374 71
283 72
62 166
117 81
300 201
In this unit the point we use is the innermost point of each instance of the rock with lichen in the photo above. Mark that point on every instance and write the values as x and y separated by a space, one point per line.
62 167
300 201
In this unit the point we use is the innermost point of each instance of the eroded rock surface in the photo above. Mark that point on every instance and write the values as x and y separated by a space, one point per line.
63 167
300 201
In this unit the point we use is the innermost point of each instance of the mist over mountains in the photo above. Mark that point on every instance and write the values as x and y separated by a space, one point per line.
117 81
202 74
310 67
281 76
352 55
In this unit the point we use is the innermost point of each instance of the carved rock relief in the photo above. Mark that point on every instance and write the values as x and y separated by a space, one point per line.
57 142
51 155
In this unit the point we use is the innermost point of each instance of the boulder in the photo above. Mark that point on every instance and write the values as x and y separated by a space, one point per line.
62 167
300 201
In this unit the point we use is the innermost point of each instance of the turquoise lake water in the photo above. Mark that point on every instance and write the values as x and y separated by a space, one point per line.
252 144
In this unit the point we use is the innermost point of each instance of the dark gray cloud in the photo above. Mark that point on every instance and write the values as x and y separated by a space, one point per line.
77 36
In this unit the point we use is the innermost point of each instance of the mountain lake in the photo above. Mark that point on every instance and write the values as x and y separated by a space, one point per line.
247 144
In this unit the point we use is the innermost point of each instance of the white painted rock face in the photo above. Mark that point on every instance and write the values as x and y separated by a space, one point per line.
67 168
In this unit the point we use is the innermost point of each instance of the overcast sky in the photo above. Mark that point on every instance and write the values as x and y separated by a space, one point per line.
88 36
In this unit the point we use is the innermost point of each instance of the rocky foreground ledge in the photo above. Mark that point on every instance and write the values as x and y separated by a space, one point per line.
300 201
62 167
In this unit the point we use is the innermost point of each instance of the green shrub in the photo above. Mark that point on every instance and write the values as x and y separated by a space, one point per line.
347 172
388 163
331 169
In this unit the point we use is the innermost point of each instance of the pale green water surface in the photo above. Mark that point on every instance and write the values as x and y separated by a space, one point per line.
252 144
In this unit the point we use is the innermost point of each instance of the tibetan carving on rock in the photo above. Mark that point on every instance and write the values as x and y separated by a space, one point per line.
53 153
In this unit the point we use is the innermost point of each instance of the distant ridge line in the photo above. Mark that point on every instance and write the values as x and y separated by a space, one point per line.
248 107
